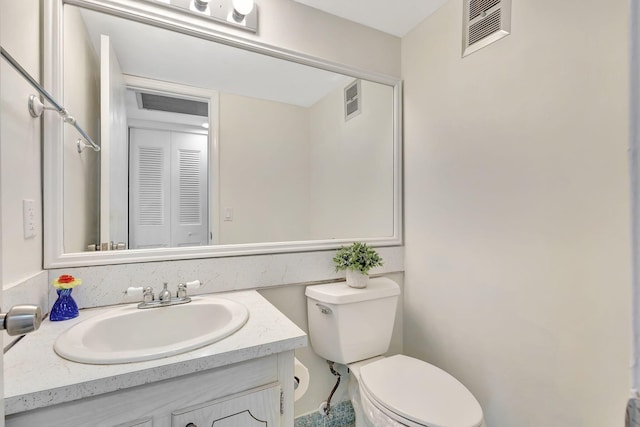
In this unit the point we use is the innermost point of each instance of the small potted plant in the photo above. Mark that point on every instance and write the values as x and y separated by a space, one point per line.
357 259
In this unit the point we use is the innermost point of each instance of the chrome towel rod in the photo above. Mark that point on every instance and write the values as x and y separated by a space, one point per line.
36 107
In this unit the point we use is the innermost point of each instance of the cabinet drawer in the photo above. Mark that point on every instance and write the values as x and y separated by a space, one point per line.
259 407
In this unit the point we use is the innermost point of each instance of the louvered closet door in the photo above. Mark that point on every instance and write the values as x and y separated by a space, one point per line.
168 203
189 210
149 189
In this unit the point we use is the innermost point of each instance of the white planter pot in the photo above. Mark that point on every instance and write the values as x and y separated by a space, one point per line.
355 279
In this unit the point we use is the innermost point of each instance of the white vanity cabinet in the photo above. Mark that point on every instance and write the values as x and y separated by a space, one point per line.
256 393
246 379
255 408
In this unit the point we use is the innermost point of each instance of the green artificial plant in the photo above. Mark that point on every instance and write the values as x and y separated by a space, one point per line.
357 257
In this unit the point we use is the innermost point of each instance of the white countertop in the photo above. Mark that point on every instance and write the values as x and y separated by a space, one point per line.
35 376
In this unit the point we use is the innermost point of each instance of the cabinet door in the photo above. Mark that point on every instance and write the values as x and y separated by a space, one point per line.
254 408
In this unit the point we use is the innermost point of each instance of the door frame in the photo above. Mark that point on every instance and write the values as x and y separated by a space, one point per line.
212 97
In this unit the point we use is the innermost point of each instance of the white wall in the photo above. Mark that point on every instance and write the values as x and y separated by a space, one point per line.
351 175
302 29
20 141
292 173
264 164
81 170
517 211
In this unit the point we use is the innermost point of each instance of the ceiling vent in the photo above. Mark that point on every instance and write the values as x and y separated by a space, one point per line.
150 101
485 21
352 100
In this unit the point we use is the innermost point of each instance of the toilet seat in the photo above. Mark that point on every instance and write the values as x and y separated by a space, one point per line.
419 394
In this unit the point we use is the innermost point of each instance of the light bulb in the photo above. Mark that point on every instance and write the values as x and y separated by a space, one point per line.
243 7
200 5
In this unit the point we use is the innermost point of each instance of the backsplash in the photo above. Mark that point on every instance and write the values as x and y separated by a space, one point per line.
105 285
32 290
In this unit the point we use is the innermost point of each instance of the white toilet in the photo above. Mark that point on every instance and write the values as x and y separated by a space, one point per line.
353 327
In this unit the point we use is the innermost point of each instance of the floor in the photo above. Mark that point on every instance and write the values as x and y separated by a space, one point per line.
342 415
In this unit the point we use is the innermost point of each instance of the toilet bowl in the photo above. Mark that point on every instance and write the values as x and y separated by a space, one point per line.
353 327
400 391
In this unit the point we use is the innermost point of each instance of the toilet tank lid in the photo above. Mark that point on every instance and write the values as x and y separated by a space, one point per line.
340 293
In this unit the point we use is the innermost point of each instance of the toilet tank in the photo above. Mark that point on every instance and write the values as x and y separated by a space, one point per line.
348 324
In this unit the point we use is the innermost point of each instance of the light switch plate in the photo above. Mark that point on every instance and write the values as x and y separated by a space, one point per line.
29 218
228 214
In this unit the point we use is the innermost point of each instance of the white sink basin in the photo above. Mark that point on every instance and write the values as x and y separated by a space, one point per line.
129 334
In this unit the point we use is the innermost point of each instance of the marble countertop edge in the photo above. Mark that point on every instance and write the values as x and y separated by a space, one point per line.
69 393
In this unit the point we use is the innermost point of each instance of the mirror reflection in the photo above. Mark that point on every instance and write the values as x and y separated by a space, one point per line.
207 144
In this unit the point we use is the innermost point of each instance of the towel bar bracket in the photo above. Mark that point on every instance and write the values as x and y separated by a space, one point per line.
36 106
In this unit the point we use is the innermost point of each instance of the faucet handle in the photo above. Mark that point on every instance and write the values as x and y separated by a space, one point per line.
195 284
147 295
184 287
138 293
133 291
182 290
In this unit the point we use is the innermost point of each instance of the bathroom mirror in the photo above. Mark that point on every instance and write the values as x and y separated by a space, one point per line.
210 146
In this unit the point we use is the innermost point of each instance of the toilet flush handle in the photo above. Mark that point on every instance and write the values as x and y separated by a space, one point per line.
324 309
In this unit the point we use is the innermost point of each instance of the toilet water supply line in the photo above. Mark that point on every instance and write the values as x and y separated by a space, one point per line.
325 408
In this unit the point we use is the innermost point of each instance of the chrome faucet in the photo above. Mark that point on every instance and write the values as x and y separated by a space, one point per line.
164 295
165 298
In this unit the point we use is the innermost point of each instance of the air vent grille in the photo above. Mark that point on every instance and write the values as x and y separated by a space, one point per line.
150 101
352 107
478 7
485 21
485 27
352 100
352 91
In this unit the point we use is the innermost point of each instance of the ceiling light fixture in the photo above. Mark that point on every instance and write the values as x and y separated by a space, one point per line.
241 14
200 6
241 8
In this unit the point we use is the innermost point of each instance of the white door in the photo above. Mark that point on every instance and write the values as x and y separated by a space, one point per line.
189 224
168 190
114 150
150 189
